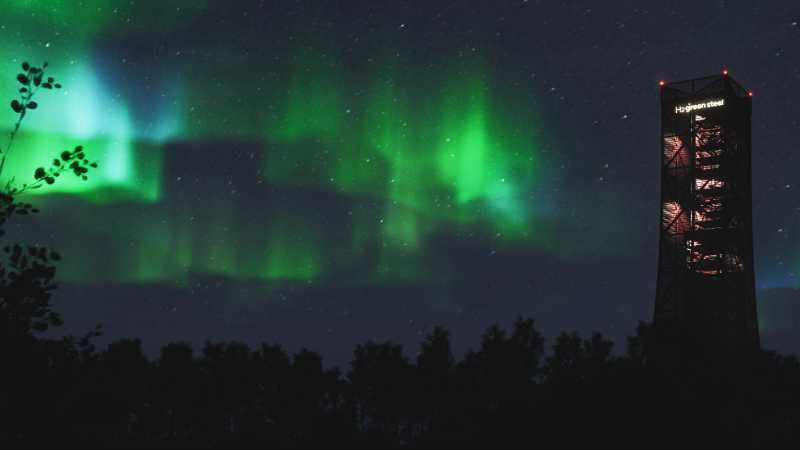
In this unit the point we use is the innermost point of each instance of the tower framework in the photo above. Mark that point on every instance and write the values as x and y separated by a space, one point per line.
706 288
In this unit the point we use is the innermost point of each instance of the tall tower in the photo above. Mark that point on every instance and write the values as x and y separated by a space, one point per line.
706 290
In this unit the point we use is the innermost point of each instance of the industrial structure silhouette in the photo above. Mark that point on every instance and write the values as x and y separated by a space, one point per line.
705 288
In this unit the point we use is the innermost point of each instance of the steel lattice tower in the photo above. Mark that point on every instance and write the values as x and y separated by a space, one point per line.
705 289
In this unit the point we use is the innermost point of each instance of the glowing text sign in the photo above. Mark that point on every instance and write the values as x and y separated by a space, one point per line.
684 109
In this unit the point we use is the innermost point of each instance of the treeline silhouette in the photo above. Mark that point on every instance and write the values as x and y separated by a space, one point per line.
513 388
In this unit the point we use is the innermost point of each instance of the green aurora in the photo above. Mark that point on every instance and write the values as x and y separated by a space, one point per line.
433 153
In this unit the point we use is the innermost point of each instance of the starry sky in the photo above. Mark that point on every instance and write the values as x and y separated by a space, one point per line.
319 173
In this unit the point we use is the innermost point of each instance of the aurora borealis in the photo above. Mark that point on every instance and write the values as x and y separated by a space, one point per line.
458 160
375 168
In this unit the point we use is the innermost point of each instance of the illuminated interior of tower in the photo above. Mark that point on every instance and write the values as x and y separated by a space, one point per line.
705 277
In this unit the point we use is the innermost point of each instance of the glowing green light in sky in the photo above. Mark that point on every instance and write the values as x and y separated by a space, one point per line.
313 106
291 256
84 113
416 152
89 17
464 149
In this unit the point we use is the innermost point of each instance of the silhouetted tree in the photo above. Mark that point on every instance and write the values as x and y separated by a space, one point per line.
435 366
27 275
176 392
316 403
232 395
506 365
638 350
379 378
121 381
275 390
577 361
231 384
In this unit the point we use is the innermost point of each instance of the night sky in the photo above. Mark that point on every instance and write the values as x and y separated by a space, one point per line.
320 173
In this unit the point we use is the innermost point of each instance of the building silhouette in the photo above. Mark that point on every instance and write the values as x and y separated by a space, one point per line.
705 290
